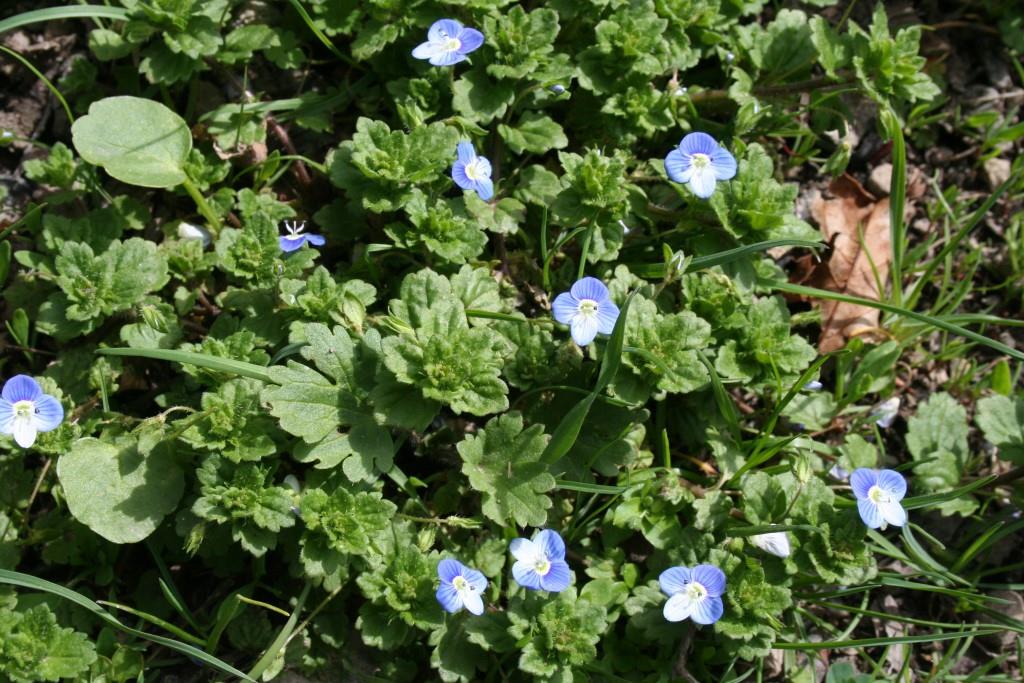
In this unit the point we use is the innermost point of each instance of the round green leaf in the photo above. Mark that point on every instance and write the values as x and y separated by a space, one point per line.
138 141
120 493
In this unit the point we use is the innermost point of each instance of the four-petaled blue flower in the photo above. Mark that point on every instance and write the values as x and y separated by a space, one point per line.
879 493
25 410
460 587
587 309
471 172
448 42
540 563
296 238
699 161
693 593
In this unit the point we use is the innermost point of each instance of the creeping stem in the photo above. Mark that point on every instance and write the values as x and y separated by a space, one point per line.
212 219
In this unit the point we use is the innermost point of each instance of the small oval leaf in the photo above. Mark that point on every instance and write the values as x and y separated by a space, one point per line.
137 141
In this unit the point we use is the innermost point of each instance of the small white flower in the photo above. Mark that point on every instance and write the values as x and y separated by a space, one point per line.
838 473
886 411
188 231
774 542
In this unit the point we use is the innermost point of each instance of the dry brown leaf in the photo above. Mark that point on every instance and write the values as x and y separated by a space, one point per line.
857 227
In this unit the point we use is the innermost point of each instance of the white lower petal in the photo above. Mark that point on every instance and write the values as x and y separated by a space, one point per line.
678 607
524 550
472 600
24 431
776 543
702 182
893 513
583 329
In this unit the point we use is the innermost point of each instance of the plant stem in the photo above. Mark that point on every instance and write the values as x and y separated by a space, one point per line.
203 206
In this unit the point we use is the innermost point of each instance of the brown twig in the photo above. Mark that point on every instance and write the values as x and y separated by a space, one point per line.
35 491
301 172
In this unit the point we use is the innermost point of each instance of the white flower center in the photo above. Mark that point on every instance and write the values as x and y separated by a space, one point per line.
23 410
450 44
294 228
696 592
700 161
587 308
878 496
475 170
460 584
542 566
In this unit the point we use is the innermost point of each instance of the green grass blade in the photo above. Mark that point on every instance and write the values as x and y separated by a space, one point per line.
282 637
32 211
744 531
954 242
170 591
57 13
155 621
897 198
46 81
891 640
725 405
656 271
202 360
938 498
33 583
613 351
584 487
895 310
320 34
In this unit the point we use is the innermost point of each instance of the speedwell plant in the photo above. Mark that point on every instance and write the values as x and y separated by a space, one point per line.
478 420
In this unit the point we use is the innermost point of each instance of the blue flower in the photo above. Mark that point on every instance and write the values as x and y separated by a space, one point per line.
699 161
448 42
540 563
460 587
879 493
586 309
296 238
25 410
693 593
471 172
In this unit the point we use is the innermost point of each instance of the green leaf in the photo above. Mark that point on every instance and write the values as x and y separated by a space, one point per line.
122 491
560 633
671 344
441 355
338 525
533 132
1002 420
502 462
240 496
890 67
522 41
115 280
480 99
784 49
833 49
33 647
757 206
382 166
443 227
137 141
